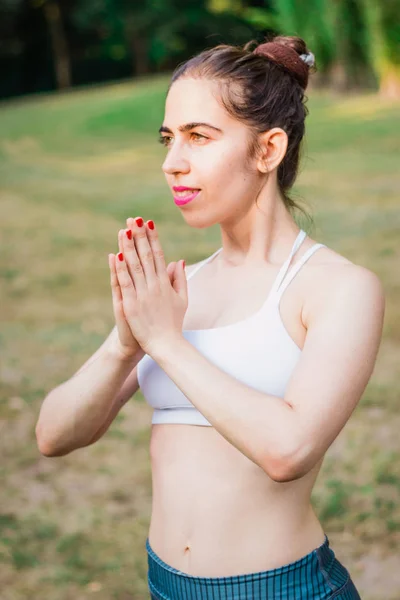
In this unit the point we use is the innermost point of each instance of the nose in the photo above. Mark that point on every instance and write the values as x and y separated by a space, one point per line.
175 161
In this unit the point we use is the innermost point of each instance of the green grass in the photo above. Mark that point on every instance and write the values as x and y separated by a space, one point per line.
73 167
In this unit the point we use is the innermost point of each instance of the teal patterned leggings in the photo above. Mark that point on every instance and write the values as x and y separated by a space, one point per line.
316 576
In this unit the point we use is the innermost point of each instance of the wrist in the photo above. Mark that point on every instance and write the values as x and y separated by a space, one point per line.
166 347
125 356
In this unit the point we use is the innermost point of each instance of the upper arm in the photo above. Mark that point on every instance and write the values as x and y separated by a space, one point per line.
338 358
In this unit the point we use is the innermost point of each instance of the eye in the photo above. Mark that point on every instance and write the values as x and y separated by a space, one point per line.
165 139
199 136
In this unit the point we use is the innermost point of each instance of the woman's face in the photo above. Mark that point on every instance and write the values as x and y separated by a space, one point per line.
211 158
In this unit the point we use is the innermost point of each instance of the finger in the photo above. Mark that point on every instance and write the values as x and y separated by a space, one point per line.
158 253
170 271
125 280
113 278
132 260
144 250
115 288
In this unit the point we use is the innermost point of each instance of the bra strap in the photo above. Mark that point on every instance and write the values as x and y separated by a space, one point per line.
283 270
297 243
297 266
203 262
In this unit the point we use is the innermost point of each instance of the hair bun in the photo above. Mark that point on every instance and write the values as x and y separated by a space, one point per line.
291 53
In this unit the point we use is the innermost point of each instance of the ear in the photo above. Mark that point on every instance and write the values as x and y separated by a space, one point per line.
274 144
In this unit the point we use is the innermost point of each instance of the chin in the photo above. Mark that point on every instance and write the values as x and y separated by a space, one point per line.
197 220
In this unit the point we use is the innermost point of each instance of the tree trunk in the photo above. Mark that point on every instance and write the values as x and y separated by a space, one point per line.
338 77
140 57
136 34
382 23
59 44
390 82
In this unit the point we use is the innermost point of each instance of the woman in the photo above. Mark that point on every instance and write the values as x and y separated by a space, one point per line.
253 379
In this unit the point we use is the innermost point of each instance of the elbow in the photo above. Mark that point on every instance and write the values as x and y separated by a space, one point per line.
287 471
42 444
49 451
285 467
46 451
46 447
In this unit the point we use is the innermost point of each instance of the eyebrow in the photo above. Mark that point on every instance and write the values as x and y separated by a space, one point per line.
189 126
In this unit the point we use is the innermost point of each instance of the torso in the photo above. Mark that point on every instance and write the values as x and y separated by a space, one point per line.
209 500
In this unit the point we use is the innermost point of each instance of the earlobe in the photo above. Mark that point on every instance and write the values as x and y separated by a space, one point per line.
263 163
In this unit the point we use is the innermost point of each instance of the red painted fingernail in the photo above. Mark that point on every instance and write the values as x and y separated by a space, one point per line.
183 264
139 221
128 233
120 256
150 224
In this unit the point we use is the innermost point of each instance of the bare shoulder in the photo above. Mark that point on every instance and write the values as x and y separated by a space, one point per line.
335 278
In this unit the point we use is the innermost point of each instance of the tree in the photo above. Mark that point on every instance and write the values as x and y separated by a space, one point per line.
352 67
383 20
160 33
313 20
59 44
336 32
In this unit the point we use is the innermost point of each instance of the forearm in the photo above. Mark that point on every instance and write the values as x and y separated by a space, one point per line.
73 412
261 426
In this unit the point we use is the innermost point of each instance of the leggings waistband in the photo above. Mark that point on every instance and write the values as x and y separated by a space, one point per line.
315 576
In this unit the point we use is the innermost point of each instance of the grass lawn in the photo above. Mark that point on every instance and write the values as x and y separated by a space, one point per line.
73 167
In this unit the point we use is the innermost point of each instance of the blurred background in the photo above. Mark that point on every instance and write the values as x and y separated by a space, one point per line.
58 44
83 86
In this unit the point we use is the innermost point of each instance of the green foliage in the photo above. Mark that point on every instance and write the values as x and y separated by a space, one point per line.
383 19
356 42
171 29
260 18
335 31
351 37
313 20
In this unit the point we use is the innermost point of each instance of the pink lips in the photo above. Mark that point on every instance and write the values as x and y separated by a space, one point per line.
181 201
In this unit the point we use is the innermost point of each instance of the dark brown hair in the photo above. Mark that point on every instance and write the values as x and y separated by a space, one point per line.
262 85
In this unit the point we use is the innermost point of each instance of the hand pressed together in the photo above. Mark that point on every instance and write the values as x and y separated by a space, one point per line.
150 299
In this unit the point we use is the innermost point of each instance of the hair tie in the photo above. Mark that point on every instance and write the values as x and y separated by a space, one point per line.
309 59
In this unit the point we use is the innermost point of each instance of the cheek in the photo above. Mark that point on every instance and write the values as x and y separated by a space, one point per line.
221 159
226 170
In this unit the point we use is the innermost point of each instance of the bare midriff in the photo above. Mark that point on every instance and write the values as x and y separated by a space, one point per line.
215 513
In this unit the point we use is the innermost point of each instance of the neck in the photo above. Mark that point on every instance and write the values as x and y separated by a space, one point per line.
265 234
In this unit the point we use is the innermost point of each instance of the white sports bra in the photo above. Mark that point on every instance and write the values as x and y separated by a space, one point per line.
257 351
